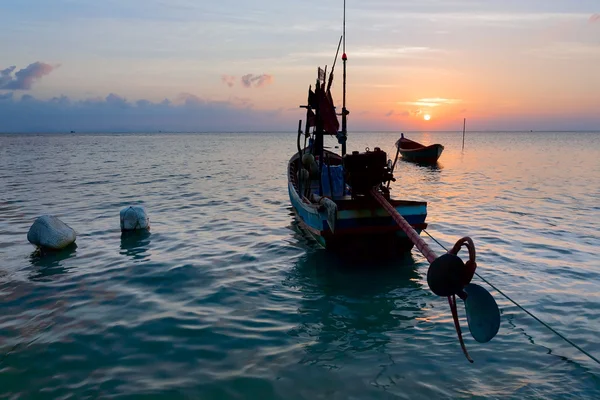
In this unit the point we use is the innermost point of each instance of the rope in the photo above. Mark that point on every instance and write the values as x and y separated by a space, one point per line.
522 308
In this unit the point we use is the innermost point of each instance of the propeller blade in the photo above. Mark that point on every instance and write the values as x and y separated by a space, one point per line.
483 314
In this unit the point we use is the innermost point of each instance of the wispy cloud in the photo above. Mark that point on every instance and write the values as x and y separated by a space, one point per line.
375 53
394 52
392 113
229 80
568 50
473 17
430 102
250 80
24 78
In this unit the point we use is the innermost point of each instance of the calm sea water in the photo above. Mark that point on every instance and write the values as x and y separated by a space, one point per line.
227 298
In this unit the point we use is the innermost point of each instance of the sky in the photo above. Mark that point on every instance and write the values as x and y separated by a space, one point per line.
238 65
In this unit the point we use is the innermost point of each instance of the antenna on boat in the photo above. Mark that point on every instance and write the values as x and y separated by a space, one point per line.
344 111
333 67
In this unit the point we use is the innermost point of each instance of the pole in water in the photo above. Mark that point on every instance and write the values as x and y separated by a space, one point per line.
464 124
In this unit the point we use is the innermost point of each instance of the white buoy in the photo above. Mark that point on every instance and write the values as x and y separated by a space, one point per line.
134 218
49 232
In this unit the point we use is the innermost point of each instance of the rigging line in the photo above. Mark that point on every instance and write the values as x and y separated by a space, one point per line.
522 308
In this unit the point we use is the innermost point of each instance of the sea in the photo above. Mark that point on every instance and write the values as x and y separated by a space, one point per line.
226 297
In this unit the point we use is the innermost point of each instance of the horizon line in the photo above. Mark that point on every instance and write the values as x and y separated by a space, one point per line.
289 131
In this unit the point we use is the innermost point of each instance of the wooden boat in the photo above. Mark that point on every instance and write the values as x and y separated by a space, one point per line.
344 221
414 151
330 192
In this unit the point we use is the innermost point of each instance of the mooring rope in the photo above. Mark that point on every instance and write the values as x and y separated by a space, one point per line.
523 308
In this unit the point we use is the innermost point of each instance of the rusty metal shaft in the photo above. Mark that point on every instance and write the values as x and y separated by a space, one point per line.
410 232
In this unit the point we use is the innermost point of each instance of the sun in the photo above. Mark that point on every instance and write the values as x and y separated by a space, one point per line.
426 117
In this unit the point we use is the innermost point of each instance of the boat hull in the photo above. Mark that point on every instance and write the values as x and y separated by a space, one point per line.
360 224
416 152
429 154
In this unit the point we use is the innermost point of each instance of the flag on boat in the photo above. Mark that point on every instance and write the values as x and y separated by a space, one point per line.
311 118
331 124
321 74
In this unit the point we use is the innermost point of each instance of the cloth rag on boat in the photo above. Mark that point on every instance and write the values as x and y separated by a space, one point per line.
337 180
330 208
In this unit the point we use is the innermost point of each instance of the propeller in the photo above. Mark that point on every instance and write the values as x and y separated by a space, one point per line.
483 314
449 276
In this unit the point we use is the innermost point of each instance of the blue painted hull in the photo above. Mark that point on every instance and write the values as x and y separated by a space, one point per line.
358 222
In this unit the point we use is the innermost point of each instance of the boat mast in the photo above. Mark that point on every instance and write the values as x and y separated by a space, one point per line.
344 111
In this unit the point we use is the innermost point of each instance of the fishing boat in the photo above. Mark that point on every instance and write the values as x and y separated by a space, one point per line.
417 152
330 192
344 201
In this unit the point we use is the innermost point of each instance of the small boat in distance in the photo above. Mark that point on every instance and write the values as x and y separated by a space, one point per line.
416 152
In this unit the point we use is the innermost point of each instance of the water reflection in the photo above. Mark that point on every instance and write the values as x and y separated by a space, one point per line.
353 306
135 244
358 252
437 166
48 264
430 173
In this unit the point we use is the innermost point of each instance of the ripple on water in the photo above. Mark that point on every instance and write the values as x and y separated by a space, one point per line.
226 298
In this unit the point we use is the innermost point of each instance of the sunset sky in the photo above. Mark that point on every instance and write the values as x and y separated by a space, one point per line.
231 65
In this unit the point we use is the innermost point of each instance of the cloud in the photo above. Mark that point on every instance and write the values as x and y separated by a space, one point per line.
394 52
187 99
243 102
257 80
229 80
191 113
114 113
116 100
25 77
248 80
568 50
594 19
430 102
371 53
467 16
392 113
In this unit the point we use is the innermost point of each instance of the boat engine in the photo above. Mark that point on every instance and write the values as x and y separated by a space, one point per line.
366 170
